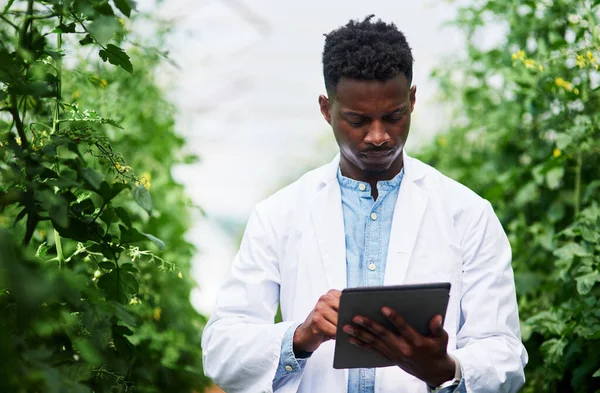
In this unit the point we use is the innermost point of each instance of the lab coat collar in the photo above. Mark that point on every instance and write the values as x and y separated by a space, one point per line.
328 222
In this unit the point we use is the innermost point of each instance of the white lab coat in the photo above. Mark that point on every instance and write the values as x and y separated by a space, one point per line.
293 251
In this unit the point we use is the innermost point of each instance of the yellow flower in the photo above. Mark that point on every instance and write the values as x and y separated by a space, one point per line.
560 82
529 63
541 67
18 140
145 180
156 314
590 56
443 142
580 61
180 275
518 55
556 153
76 94
122 21
42 233
103 83
576 91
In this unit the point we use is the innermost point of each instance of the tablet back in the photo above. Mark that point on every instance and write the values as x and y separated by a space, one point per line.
416 303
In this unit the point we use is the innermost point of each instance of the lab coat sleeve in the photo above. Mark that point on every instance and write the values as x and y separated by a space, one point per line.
489 340
241 343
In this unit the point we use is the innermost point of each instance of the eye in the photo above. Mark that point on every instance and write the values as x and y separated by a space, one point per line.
395 118
356 121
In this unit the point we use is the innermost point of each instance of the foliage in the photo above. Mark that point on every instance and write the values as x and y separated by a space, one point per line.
96 295
526 137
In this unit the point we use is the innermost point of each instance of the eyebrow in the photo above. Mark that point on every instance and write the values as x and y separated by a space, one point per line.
395 111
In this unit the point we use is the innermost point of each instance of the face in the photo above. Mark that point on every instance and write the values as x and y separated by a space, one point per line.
370 121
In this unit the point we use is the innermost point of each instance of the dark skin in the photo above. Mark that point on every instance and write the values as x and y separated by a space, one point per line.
371 121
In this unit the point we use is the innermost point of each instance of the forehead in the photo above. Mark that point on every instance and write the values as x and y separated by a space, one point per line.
372 96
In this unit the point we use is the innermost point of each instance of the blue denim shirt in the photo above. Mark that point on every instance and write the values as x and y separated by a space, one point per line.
367 226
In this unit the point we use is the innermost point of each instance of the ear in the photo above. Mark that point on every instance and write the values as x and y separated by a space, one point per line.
325 106
412 96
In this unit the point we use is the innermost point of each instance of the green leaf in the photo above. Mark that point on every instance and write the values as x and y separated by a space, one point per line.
86 40
159 243
597 374
142 197
118 285
93 177
571 250
116 56
554 177
108 192
107 265
108 215
125 6
76 371
586 282
86 348
553 349
123 215
103 28
59 215
191 159
42 250
124 315
128 267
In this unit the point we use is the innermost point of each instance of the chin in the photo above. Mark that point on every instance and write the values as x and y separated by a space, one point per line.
375 168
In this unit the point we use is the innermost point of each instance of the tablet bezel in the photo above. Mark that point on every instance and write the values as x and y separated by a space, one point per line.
433 300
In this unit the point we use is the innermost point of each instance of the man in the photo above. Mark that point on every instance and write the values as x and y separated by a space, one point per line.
374 216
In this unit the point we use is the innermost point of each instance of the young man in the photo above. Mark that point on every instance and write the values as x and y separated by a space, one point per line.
373 216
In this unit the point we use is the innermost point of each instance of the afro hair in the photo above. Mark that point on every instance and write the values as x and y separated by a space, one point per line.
365 50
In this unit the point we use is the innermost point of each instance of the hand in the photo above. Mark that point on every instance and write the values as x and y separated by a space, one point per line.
320 325
424 357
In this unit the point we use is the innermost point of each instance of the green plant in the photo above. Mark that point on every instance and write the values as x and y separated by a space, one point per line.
96 295
525 136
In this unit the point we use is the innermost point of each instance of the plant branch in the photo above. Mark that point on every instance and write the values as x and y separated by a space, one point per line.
577 201
59 251
14 111
9 22
26 24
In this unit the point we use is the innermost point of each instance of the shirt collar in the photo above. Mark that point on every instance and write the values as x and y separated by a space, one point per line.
356 185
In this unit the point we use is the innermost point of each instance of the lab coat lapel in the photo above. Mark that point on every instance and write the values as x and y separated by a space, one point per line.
408 213
328 222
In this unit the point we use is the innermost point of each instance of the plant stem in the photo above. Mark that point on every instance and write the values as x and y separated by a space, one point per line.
578 183
59 251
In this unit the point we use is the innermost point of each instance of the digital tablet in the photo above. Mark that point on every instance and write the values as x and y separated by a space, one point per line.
417 304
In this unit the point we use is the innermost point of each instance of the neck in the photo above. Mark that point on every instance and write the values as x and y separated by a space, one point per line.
353 172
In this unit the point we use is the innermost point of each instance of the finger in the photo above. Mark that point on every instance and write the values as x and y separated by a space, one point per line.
332 299
372 326
377 346
360 333
405 330
436 328
331 315
335 293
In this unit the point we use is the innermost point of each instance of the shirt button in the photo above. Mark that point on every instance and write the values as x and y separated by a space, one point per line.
288 368
372 266
362 187
373 216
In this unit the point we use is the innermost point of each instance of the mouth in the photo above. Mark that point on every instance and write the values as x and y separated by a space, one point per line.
377 155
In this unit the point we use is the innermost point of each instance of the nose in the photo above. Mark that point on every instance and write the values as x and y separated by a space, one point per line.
377 134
